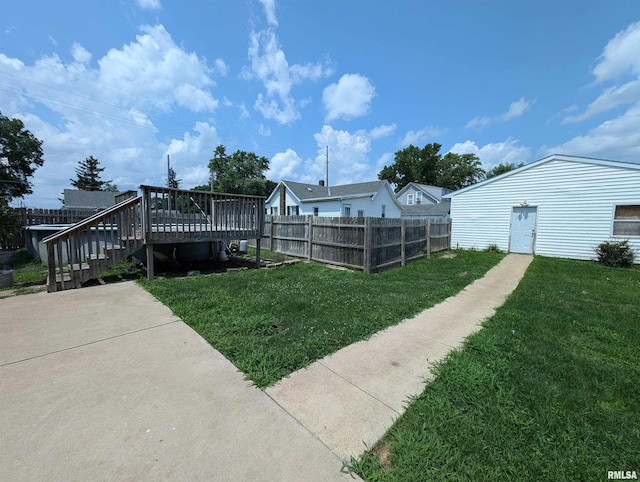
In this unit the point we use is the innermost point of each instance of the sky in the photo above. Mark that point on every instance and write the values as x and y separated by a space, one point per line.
132 81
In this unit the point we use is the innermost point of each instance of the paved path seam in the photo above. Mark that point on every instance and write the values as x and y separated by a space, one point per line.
88 343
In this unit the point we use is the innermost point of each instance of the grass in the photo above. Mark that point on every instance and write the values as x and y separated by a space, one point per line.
30 276
270 323
547 390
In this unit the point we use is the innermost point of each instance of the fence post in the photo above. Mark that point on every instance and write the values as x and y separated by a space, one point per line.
271 228
310 239
429 237
449 232
367 245
403 242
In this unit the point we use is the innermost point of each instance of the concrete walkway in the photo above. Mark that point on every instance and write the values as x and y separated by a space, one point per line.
351 398
105 383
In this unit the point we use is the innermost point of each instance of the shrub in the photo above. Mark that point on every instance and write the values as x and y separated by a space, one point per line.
492 248
615 253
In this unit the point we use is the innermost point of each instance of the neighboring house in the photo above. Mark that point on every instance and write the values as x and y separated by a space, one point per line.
415 194
365 199
78 199
421 201
560 206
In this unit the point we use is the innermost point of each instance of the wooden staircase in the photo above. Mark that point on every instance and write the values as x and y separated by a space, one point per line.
86 249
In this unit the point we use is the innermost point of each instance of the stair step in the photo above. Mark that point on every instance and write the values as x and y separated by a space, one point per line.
93 257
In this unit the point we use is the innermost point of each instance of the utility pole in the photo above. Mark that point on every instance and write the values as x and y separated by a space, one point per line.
327 175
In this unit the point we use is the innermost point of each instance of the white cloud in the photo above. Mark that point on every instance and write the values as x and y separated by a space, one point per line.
270 11
620 56
284 166
149 4
155 71
416 137
221 67
264 131
494 153
516 109
382 131
348 161
349 98
190 155
620 59
109 111
609 99
80 54
269 65
617 138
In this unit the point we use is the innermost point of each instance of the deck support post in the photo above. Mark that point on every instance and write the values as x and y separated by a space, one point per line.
150 273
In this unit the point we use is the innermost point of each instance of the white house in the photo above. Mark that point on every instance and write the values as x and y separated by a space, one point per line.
560 206
421 201
416 194
365 199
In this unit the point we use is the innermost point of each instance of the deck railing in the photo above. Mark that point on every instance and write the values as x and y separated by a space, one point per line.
159 216
181 216
75 254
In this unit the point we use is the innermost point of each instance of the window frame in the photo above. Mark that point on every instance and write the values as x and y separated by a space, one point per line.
410 199
619 220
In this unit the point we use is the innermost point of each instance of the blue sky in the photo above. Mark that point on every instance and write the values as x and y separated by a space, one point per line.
129 82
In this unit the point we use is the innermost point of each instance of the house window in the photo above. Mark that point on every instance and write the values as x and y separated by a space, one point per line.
418 197
315 211
274 211
384 209
347 211
626 221
293 210
410 199
361 213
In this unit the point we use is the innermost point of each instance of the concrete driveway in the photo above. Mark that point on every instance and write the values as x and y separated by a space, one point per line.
105 383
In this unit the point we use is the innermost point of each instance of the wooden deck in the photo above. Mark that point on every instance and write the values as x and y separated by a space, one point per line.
158 216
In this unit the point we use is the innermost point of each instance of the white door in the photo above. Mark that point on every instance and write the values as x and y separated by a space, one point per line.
523 229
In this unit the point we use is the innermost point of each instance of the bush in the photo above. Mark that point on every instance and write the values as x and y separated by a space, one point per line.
492 248
617 254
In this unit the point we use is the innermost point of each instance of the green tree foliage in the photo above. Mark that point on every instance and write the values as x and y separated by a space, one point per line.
240 173
20 156
428 166
502 168
88 176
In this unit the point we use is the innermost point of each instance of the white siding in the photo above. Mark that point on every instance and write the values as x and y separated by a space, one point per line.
575 204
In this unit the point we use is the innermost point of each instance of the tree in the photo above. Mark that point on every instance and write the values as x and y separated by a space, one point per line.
240 173
459 170
172 182
20 156
88 172
428 166
502 168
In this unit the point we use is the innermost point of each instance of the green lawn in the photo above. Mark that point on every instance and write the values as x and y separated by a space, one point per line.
270 323
547 390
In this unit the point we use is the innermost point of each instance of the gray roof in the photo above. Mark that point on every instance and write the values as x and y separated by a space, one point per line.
306 192
440 209
76 198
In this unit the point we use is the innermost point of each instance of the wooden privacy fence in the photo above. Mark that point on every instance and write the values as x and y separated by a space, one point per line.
369 244
33 217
